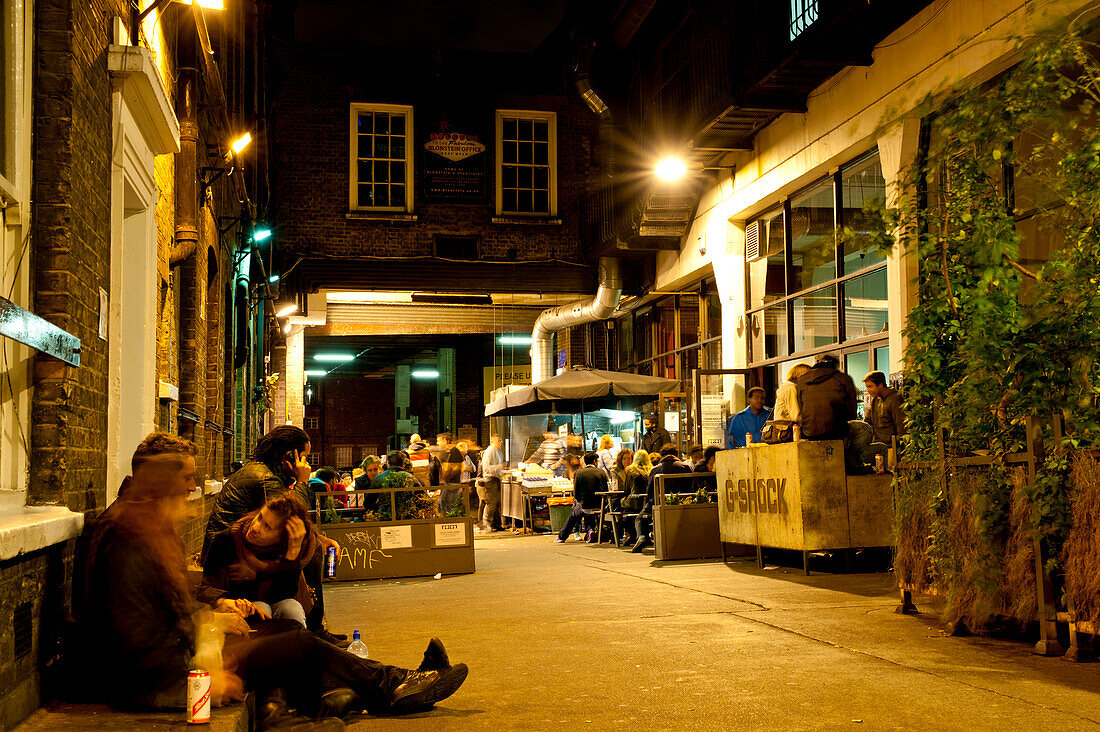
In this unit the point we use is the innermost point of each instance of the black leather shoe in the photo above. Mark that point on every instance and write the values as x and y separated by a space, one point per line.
340 703
641 544
435 657
274 715
422 689
340 641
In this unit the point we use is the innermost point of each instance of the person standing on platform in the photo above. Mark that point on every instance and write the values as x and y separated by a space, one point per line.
655 437
669 465
749 420
488 489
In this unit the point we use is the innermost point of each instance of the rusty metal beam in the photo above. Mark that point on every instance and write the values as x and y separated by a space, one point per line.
22 325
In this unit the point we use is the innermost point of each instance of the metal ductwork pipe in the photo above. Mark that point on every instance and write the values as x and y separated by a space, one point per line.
598 307
187 184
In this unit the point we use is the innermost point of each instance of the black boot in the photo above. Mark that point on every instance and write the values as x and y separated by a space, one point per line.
340 703
641 544
275 715
421 689
435 657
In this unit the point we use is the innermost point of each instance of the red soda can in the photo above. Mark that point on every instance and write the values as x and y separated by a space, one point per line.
880 464
198 697
748 439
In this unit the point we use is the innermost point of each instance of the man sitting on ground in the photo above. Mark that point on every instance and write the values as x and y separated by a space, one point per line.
587 481
260 560
141 623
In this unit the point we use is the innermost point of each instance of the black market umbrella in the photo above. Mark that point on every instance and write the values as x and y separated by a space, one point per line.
580 389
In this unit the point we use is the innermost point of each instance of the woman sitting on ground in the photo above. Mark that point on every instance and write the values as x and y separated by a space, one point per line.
260 559
636 483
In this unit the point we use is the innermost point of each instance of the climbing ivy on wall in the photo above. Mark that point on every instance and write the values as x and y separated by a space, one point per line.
1007 169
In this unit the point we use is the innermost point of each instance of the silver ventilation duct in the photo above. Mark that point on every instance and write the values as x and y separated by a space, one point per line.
598 307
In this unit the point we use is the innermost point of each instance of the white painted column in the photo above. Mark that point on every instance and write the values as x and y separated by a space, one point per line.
898 148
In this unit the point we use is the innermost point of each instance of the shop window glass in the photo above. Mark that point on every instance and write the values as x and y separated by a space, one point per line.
866 304
767 278
769 332
882 359
861 185
813 240
689 320
713 302
815 319
857 365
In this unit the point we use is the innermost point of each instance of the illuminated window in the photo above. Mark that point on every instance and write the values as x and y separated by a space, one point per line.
803 13
381 157
526 167
345 456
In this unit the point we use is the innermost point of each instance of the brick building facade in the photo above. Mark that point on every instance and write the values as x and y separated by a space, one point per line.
99 222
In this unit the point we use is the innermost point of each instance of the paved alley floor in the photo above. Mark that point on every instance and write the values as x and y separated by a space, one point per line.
591 637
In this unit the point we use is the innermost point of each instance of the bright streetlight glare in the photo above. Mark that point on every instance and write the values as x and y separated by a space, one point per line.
671 169
514 340
273 279
242 142
208 4
424 374
315 372
286 311
334 357
261 234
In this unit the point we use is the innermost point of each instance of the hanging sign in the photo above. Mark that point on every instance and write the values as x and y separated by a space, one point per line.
453 170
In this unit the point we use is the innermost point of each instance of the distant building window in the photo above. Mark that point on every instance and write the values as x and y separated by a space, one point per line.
311 423
345 456
381 157
526 168
803 13
314 459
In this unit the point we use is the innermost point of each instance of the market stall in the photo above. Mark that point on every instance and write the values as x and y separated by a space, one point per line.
797 496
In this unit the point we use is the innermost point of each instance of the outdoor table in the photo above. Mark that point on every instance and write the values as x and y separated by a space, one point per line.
607 508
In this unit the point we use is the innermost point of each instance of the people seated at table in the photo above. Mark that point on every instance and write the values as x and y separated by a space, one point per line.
749 420
606 454
786 396
278 465
669 464
259 560
886 415
694 456
140 624
571 463
623 459
635 484
655 437
396 478
588 481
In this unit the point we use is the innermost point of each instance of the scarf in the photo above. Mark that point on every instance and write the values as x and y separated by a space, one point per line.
264 570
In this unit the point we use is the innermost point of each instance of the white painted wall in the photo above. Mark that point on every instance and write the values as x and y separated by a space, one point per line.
949 43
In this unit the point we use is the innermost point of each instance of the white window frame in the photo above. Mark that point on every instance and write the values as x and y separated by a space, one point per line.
410 156
551 118
15 264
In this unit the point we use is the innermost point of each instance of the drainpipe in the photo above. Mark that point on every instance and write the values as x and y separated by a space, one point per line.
598 307
187 185
610 281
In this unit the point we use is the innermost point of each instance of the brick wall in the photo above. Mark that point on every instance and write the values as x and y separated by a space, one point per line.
357 412
311 143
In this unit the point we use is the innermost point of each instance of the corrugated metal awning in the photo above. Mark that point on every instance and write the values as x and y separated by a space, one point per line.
405 319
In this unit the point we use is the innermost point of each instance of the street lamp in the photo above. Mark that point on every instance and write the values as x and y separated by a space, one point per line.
670 169
242 142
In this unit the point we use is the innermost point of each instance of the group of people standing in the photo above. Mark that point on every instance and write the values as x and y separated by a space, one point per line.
822 400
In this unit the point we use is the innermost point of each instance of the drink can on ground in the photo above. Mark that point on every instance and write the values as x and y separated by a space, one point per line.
330 562
198 697
880 464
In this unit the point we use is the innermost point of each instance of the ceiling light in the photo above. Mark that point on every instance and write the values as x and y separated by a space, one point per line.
316 372
368 297
621 417
334 357
424 374
273 279
287 329
287 310
259 234
514 340
207 4
670 169
242 142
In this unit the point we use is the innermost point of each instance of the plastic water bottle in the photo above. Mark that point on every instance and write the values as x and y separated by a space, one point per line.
357 647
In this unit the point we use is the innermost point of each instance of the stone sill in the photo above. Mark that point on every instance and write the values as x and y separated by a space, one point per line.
30 528
380 216
526 221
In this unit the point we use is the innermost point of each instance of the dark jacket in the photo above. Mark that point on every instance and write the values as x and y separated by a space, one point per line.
709 483
235 570
586 482
247 490
654 440
886 416
669 465
826 401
